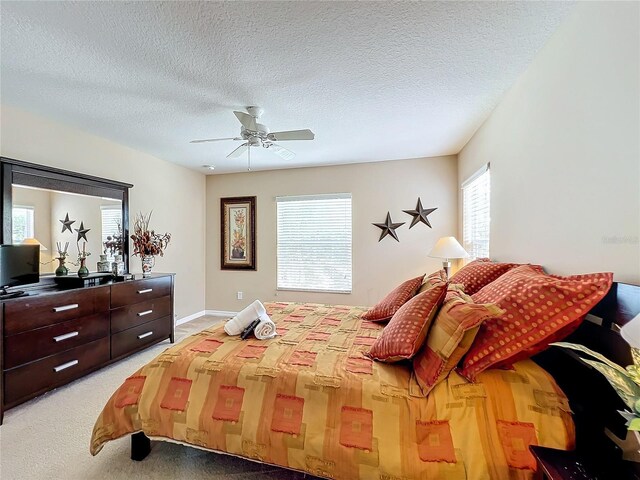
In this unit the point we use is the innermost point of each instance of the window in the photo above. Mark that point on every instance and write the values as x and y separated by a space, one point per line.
22 222
476 195
111 220
314 243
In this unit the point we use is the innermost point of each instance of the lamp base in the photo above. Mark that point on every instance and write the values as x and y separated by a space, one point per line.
446 266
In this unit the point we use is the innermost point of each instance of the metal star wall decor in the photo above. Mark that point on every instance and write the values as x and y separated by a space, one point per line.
66 223
420 214
388 228
82 232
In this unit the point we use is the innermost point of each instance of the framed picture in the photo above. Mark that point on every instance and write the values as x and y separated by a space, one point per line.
238 232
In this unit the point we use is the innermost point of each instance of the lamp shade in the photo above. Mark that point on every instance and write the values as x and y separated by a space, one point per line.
33 241
448 247
631 332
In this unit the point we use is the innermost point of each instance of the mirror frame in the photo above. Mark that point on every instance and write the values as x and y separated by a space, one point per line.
18 172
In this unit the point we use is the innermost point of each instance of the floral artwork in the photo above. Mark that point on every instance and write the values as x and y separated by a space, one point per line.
238 233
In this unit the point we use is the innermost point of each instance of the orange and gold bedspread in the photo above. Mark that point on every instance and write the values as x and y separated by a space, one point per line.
311 401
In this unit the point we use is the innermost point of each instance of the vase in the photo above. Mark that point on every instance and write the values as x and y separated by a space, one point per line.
83 271
117 266
148 261
104 266
61 271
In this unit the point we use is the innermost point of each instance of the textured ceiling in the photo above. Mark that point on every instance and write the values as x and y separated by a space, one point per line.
374 81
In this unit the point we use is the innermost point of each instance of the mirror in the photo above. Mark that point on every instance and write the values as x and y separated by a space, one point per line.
35 199
37 214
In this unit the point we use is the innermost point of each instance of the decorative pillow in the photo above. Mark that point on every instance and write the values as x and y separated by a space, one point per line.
539 309
430 280
479 273
450 337
390 304
405 333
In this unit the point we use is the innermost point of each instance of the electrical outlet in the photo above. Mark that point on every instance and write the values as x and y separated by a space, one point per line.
239 295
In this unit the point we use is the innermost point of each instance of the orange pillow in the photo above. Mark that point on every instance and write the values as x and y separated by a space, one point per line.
390 304
450 337
405 333
479 273
539 309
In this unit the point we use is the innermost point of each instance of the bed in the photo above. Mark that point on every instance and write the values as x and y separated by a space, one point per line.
311 401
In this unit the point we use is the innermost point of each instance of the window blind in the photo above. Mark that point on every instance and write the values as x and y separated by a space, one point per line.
22 224
476 195
314 243
111 218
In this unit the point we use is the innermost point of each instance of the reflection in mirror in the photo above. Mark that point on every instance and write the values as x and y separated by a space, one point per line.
37 215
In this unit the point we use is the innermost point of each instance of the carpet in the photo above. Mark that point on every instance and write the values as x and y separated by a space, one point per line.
48 437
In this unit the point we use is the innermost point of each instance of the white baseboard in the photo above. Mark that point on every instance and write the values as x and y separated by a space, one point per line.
220 313
212 313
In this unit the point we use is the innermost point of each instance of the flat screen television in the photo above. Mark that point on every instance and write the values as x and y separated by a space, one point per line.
19 265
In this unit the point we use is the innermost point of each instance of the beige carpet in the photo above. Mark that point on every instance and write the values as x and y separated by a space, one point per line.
48 437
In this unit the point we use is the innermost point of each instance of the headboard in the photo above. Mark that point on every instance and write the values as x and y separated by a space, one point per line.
593 401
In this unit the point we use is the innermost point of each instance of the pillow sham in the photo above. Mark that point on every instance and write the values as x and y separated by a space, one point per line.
480 272
450 337
385 308
405 333
430 280
539 309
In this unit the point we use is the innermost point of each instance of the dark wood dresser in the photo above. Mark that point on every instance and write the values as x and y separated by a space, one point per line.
52 337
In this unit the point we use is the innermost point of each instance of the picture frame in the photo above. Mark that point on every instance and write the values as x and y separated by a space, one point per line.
238 233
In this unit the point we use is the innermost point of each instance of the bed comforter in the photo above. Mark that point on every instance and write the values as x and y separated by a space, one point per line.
310 400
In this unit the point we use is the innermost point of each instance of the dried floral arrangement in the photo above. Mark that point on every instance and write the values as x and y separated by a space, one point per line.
114 243
147 242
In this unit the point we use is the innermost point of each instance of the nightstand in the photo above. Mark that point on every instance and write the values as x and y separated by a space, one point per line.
556 464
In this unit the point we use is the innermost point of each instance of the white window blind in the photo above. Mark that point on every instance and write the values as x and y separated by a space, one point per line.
476 195
314 242
22 224
111 218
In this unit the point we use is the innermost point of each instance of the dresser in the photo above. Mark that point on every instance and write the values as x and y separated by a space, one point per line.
52 337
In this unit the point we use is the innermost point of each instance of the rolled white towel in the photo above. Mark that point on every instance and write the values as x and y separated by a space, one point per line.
237 324
265 329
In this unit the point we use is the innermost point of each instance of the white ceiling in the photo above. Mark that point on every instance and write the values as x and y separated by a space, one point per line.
374 81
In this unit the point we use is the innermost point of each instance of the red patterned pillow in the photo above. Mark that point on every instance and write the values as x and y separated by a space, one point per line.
539 309
390 304
430 280
450 337
479 273
404 335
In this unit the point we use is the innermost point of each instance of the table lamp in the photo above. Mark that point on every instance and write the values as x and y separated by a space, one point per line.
34 241
448 248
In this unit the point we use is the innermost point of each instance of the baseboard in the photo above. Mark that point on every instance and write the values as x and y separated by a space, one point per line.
220 313
212 313
188 318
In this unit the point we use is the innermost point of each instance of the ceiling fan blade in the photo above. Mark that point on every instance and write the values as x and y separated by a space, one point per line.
292 135
281 151
246 120
215 140
239 151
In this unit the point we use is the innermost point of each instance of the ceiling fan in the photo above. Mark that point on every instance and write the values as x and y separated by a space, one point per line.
255 134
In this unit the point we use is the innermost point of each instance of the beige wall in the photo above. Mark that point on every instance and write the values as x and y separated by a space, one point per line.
564 150
376 188
175 194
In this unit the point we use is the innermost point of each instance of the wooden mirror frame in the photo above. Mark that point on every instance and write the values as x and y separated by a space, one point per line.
32 175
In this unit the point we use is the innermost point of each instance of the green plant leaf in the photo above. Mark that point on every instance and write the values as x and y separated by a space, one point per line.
634 424
626 388
588 351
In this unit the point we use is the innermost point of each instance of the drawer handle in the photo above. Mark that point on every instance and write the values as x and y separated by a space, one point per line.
64 308
144 335
64 366
146 312
66 336
146 290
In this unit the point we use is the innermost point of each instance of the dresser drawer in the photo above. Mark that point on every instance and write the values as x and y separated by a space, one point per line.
127 341
42 342
41 311
128 293
54 371
138 313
